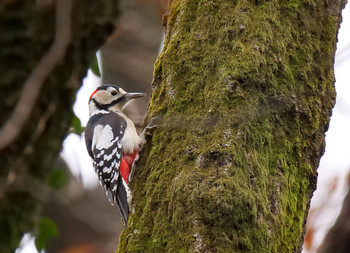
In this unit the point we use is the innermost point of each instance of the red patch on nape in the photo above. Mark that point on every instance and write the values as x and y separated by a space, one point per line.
93 94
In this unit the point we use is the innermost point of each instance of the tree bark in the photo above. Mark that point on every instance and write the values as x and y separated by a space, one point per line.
46 48
245 91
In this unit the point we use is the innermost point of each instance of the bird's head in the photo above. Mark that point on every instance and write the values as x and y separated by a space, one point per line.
110 98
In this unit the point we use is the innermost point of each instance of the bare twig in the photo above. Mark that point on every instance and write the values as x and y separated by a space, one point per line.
31 89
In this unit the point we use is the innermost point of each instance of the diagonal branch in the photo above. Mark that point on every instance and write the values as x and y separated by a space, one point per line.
31 89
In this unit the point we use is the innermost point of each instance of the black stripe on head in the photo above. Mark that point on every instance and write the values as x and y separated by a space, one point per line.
100 106
106 86
106 107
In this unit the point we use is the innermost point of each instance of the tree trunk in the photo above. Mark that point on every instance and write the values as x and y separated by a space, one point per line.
245 90
46 48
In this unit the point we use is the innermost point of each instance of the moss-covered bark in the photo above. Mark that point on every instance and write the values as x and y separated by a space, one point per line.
245 91
27 29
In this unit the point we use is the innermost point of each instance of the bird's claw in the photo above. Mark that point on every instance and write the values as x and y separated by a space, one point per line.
151 126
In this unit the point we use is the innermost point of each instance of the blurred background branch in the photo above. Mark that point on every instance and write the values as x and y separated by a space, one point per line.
46 48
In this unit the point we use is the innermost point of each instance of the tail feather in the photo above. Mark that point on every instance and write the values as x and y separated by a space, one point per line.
122 196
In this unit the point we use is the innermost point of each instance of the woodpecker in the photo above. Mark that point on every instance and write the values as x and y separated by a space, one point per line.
113 143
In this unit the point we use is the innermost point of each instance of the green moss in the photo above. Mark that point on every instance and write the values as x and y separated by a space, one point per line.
245 91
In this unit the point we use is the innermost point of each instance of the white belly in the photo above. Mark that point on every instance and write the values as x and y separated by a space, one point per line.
131 139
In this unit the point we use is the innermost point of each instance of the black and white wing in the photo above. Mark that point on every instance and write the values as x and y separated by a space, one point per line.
103 137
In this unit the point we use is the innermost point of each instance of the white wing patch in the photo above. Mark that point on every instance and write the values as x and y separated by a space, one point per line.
103 137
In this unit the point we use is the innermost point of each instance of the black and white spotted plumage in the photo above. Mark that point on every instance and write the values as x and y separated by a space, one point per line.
105 148
113 143
103 136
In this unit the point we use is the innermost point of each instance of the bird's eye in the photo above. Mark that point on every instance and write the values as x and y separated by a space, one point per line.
114 92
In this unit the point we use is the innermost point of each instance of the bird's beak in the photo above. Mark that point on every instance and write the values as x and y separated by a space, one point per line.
132 95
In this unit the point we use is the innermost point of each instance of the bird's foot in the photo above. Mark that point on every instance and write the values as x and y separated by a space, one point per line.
153 124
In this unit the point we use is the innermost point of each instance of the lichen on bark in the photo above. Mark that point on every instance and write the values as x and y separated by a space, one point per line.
245 90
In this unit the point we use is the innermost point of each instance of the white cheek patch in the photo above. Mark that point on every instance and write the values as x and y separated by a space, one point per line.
103 97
